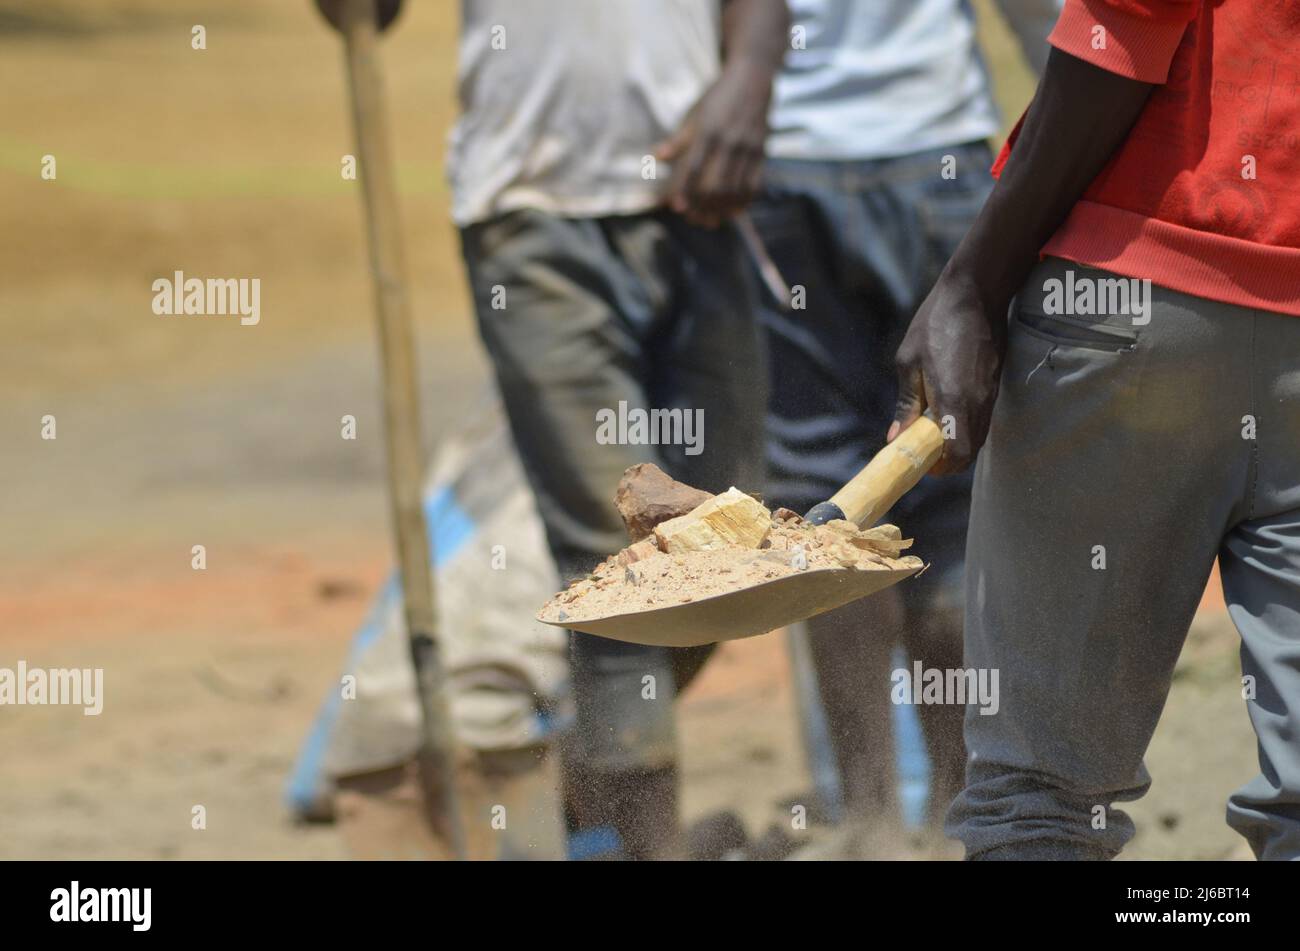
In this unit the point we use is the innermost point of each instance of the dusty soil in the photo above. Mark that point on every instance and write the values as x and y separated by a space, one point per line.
663 579
173 433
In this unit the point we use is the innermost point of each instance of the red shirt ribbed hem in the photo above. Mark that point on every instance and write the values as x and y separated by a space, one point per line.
1200 263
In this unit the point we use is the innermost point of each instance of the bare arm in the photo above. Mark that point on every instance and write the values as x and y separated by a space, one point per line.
951 359
1108 55
1078 118
717 153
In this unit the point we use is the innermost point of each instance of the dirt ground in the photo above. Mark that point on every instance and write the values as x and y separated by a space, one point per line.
173 433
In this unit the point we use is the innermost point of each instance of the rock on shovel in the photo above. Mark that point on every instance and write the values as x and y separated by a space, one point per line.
758 608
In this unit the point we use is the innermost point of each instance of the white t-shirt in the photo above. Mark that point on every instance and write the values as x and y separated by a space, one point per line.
880 78
563 100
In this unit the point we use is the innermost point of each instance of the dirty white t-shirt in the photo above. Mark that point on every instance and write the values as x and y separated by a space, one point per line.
562 100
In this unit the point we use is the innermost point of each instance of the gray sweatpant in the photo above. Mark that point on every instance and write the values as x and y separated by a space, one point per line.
1124 457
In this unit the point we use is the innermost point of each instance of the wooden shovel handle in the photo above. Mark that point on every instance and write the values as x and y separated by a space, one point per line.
891 473
436 756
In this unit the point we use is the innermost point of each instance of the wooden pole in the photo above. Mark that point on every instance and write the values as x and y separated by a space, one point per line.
437 760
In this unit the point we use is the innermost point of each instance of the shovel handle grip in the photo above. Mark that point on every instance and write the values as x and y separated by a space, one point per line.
890 474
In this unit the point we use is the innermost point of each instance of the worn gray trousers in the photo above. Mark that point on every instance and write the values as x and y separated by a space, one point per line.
580 315
1124 457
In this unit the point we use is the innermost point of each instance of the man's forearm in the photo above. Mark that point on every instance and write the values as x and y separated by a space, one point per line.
755 34
1080 115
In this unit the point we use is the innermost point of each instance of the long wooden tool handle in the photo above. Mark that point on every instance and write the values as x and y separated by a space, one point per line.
436 760
891 473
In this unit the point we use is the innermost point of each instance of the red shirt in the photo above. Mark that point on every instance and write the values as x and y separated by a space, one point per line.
1204 194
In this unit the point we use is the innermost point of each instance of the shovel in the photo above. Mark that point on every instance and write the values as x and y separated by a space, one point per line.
756 609
436 755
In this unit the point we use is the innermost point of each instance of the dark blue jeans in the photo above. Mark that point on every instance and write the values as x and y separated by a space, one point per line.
863 242
866 241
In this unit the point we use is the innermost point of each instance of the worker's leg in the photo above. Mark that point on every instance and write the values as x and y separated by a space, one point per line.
620 760
1261 581
865 242
852 653
1260 561
566 318
708 357
704 353
1114 465
932 636
823 418
943 191
563 328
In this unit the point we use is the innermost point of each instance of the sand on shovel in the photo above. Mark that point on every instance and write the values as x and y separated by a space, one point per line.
643 576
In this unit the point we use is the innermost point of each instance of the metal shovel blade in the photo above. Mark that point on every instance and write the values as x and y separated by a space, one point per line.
744 612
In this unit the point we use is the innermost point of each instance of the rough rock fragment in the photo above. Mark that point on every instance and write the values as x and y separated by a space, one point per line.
731 519
647 496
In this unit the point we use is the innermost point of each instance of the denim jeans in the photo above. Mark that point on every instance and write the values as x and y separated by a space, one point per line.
865 241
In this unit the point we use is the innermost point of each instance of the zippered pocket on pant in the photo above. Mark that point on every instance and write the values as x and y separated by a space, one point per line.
1070 333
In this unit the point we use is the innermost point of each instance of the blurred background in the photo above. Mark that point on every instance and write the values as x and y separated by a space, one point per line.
176 433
